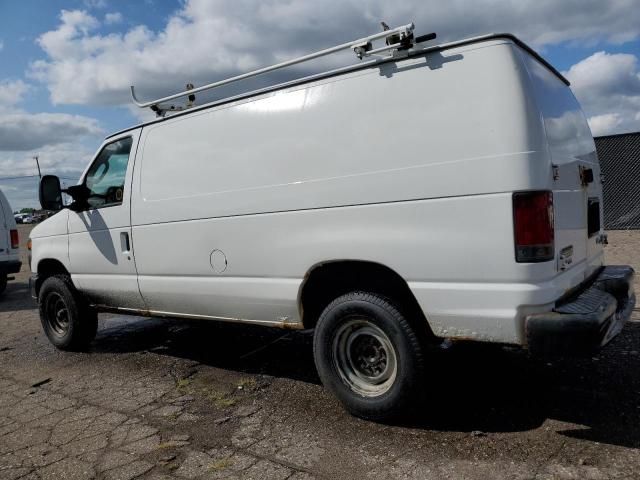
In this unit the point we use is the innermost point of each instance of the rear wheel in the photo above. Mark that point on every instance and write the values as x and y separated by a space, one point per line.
369 356
67 319
3 282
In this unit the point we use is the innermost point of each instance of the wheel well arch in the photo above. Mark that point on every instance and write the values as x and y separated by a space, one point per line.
326 281
48 267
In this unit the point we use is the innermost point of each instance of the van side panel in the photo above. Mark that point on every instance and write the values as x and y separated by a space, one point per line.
411 164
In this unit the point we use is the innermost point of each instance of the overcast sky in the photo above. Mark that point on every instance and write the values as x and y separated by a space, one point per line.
66 65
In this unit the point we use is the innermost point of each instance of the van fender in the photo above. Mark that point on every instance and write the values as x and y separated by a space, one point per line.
327 280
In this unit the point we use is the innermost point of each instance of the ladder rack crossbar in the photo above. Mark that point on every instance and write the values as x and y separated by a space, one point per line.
403 30
382 49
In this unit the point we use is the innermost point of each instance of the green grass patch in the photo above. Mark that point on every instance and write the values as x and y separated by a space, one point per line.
221 464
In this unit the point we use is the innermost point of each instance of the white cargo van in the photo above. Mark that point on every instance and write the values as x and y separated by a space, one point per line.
9 243
446 192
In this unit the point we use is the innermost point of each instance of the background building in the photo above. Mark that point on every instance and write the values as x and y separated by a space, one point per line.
620 166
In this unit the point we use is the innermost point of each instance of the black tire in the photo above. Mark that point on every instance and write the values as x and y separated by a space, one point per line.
377 370
3 282
67 320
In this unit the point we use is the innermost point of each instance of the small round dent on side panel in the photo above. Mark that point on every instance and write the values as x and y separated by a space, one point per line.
218 261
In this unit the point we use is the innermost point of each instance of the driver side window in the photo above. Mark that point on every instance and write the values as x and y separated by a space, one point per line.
105 178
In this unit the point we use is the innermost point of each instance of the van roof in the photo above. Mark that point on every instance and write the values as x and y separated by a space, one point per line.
351 68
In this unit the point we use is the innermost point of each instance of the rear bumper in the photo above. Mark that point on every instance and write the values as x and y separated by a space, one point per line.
587 320
12 266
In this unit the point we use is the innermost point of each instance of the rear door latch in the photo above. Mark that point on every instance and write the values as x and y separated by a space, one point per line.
586 175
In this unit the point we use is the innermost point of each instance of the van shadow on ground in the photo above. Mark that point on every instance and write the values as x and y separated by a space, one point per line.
16 298
471 387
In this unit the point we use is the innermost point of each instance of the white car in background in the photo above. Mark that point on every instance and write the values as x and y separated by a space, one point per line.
9 243
23 218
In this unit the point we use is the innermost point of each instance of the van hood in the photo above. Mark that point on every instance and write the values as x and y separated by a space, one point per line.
56 225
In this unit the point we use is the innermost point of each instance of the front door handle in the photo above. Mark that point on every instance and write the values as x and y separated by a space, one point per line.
125 245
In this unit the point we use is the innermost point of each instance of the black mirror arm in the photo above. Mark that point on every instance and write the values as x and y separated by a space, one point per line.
80 195
77 191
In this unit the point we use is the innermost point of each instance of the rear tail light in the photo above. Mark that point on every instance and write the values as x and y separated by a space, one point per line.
533 226
15 240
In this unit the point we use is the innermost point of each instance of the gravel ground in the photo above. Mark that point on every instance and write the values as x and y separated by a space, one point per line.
158 399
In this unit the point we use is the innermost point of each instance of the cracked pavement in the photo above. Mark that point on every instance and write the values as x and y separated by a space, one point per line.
160 399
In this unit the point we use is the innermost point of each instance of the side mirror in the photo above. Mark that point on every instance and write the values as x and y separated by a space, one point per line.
50 193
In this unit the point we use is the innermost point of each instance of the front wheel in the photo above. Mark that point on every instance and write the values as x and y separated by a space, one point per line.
67 319
369 356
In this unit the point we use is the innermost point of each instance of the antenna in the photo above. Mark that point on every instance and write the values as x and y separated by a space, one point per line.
397 39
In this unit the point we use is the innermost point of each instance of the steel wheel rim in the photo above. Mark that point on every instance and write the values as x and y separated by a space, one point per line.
57 314
364 357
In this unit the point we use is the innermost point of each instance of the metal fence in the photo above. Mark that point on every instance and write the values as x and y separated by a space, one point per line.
620 165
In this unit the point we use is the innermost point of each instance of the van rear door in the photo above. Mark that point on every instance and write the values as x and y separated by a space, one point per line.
577 192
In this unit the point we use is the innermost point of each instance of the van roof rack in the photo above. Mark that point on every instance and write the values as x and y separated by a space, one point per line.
396 40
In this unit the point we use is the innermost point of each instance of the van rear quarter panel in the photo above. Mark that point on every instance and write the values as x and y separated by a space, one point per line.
571 148
410 164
